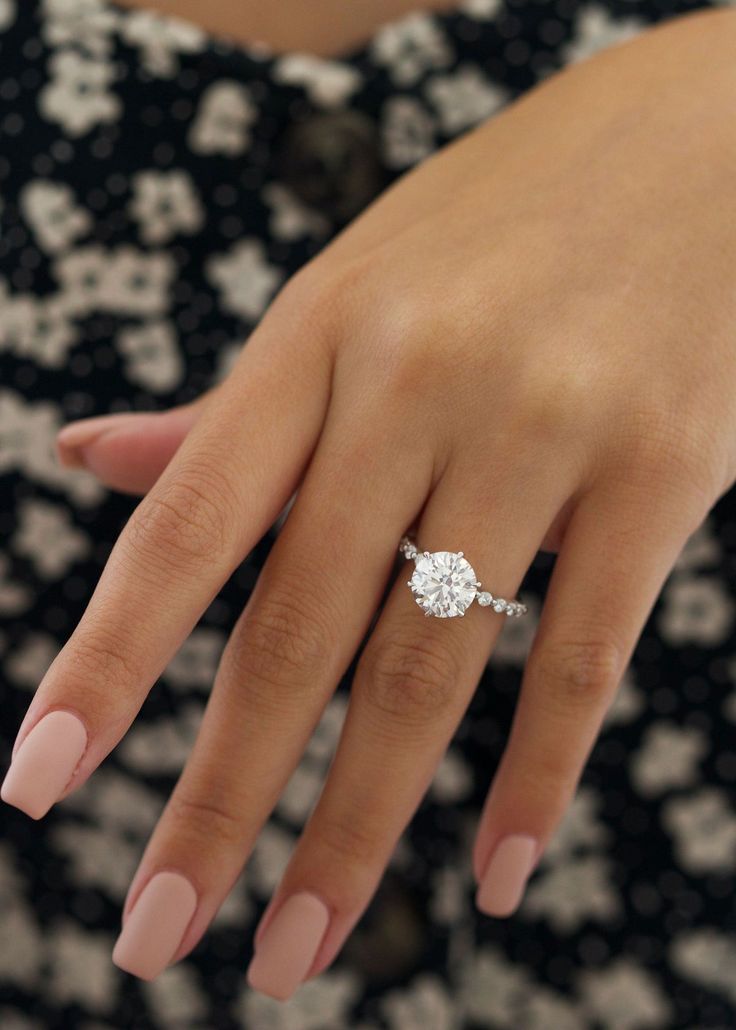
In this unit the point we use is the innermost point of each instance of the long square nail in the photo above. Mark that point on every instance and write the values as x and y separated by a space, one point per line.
44 763
155 925
503 882
287 949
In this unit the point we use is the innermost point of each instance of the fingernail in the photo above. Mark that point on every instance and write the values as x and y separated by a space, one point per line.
44 763
155 926
287 949
503 882
74 437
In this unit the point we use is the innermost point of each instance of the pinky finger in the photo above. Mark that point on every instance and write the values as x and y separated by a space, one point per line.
616 555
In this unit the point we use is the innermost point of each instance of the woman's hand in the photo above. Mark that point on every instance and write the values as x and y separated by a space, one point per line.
528 341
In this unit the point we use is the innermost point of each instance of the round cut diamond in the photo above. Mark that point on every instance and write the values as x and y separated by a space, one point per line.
444 583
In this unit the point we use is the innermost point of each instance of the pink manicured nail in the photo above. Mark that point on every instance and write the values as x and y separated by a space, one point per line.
155 926
44 763
85 430
503 882
75 436
287 949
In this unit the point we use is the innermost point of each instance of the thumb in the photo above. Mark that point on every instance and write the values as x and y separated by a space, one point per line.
128 452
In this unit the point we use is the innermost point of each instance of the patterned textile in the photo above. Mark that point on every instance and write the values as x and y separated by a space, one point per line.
157 185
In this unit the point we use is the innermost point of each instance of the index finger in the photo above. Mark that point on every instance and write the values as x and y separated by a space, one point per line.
222 490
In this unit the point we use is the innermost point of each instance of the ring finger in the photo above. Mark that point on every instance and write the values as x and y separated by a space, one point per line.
412 685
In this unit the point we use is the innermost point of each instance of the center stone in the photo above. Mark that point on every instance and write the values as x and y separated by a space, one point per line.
444 583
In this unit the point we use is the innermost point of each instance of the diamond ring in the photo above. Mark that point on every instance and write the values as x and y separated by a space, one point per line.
444 584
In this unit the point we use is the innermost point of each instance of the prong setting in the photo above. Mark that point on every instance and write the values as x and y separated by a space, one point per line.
444 584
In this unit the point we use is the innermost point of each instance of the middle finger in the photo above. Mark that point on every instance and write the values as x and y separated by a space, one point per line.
311 606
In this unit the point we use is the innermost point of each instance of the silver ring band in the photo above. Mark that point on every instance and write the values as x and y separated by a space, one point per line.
444 584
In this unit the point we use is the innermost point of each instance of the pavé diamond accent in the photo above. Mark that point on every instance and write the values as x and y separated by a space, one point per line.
444 583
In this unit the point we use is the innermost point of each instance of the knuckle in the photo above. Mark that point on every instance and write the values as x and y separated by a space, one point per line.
575 674
412 681
414 358
665 447
314 298
185 523
546 405
101 659
280 644
408 336
549 409
204 818
408 367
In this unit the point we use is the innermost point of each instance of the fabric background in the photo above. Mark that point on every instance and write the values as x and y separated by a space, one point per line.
156 187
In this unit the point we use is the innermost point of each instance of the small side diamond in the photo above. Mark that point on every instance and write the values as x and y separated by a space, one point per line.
499 604
407 548
484 598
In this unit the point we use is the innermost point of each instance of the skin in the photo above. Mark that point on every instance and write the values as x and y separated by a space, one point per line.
543 358
327 27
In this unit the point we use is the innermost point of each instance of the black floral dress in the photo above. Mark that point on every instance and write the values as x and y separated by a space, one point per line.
157 186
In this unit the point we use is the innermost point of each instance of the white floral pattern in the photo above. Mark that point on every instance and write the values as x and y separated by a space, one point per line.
15 597
668 758
78 97
316 1007
426 1005
628 702
161 40
80 274
581 828
409 132
195 663
88 24
31 659
152 357
245 278
697 609
165 204
481 9
37 329
708 957
453 780
327 82
136 283
223 120
7 14
48 539
464 98
493 989
290 219
703 826
571 892
78 970
51 211
27 432
411 47
176 999
596 29
625 997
